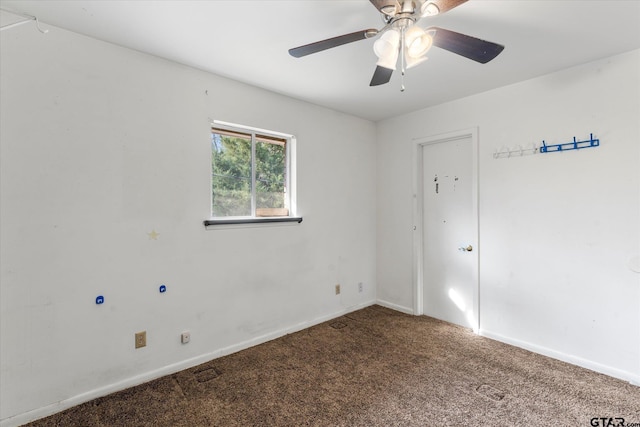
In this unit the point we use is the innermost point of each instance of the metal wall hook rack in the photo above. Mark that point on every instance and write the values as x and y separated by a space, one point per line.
518 151
575 145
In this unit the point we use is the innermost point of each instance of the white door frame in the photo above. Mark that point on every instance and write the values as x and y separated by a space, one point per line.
418 200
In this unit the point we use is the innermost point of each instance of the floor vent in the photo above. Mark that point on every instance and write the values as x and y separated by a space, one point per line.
338 325
206 374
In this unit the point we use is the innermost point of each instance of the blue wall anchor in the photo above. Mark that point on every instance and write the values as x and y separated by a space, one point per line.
163 289
99 299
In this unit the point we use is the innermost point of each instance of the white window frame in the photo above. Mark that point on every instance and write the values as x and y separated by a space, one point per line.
290 184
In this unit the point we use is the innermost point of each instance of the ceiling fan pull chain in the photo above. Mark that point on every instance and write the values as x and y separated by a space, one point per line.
402 59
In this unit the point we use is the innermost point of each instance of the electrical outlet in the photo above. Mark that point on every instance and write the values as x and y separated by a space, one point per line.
360 286
141 339
338 289
185 337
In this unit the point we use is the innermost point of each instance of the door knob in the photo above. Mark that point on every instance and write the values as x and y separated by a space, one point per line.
467 249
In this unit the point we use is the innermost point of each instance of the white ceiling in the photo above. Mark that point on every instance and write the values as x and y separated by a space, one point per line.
248 41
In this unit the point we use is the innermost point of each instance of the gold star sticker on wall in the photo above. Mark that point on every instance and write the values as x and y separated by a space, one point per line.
153 235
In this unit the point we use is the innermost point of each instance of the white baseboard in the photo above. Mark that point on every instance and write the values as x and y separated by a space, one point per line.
395 307
26 417
574 360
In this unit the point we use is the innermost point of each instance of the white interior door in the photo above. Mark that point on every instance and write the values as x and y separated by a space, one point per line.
449 214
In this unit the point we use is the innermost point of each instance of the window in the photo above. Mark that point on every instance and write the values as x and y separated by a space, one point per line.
251 175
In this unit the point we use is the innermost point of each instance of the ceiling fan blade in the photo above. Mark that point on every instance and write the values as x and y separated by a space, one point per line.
310 48
473 48
381 76
446 5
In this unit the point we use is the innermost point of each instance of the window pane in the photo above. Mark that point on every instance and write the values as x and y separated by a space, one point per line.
231 174
270 177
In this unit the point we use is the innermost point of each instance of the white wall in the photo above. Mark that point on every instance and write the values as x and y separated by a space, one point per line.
559 232
100 145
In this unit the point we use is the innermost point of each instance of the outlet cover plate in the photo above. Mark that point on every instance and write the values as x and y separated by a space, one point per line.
185 337
141 339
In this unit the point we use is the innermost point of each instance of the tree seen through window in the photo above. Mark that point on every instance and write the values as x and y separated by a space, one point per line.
242 185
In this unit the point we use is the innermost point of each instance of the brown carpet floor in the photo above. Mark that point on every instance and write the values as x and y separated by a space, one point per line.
373 367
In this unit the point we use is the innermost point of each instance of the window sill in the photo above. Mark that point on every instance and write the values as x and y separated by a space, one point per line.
252 221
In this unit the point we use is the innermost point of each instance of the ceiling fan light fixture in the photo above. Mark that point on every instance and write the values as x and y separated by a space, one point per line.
429 9
386 49
418 42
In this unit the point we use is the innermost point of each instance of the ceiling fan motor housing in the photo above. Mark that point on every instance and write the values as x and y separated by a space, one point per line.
416 8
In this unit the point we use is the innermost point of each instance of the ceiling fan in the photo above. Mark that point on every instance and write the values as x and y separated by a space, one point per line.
400 37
